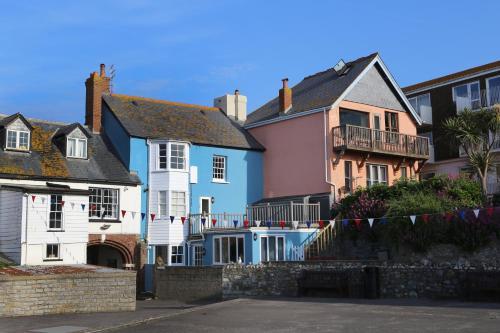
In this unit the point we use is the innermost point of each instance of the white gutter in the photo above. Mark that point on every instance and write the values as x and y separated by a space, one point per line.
285 117
25 203
148 144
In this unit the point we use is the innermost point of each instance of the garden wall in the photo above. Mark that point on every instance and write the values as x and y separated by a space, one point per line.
65 289
362 279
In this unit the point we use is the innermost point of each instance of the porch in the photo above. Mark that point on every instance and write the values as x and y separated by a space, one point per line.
350 137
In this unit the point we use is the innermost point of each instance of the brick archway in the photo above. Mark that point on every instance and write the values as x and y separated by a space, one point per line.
127 255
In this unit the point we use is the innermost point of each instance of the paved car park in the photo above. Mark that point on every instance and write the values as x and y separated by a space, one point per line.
331 315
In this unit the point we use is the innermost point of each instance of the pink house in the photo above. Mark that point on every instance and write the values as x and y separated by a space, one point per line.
345 127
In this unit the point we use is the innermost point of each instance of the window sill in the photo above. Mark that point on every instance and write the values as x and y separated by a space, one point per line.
17 150
104 221
54 259
169 170
55 230
216 181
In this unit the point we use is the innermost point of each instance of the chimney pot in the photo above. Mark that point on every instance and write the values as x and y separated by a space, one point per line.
236 92
285 83
103 70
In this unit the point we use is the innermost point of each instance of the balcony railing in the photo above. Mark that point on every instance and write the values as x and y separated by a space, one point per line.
263 215
349 137
485 99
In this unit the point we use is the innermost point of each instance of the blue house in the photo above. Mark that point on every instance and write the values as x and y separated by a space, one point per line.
201 171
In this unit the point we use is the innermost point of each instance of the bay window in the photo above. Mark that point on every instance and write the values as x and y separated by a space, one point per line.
421 104
171 156
178 203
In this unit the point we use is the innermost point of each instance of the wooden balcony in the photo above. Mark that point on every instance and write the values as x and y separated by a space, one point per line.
349 137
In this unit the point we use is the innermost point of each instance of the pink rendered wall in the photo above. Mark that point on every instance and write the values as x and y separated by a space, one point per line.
294 156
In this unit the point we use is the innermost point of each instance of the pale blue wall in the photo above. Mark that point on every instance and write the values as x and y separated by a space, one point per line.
244 176
252 247
133 153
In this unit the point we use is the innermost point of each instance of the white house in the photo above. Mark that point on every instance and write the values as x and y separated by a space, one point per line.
65 198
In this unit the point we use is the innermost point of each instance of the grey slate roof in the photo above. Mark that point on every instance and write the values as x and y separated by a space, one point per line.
313 92
157 119
47 161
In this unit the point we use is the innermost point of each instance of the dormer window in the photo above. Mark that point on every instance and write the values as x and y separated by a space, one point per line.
18 140
76 148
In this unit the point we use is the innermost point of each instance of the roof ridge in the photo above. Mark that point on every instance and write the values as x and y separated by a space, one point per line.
451 76
348 63
161 101
37 120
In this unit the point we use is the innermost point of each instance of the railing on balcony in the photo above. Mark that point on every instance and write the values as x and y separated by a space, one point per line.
350 137
483 99
285 211
263 215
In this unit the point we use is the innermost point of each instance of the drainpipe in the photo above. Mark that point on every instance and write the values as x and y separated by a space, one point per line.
146 229
326 150
25 204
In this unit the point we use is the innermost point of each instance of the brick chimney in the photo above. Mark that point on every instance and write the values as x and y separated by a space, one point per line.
96 85
285 97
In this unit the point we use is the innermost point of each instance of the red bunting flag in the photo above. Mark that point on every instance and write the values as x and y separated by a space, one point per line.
33 197
358 223
282 224
123 213
62 203
153 217
183 218
214 221
246 223
425 218
489 211
321 224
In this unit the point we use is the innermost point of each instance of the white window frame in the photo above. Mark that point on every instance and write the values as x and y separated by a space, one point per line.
171 254
171 205
49 210
168 156
160 204
184 158
266 237
224 169
488 88
197 250
468 84
46 258
78 148
18 136
107 217
220 237
370 181
416 102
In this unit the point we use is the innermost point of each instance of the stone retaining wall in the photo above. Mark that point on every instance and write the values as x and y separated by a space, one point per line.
99 290
390 280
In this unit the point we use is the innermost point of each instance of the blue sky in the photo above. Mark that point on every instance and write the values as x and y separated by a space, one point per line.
193 51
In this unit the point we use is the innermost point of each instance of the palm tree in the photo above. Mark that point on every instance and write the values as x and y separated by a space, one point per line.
477 132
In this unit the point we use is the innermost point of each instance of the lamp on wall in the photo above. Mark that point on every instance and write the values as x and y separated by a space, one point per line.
212 200
255 236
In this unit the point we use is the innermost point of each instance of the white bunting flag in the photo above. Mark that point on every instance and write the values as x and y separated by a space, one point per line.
413 218
43 200
332 222
476 212
257 223
72 205
295 224
133 215
103 211
370 221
